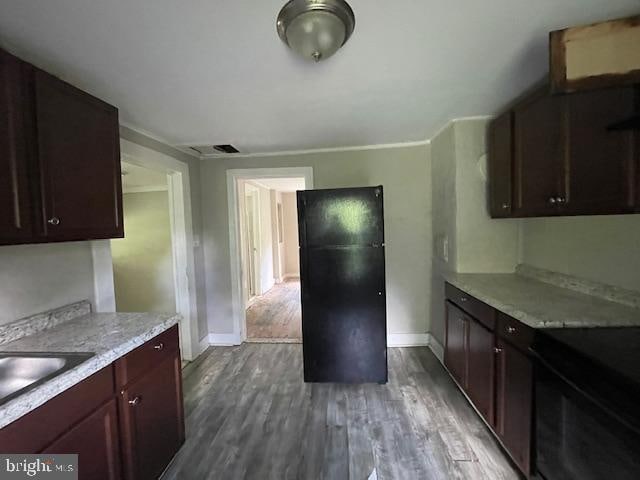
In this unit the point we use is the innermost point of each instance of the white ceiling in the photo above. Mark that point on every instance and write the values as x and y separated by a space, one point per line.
138 178
281 184
213 71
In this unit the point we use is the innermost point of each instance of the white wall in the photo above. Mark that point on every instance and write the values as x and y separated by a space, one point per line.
465 238
143 260
604 249
36 278
291 240
404 173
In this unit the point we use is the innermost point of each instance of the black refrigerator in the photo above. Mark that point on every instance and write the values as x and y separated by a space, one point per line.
342 276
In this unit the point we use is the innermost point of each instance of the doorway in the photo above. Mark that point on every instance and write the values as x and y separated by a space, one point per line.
265 256
143 261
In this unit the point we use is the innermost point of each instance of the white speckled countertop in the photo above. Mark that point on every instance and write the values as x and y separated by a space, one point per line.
540 304
108 335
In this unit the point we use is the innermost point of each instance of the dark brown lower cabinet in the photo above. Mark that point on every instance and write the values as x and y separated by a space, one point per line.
514 398
95 440
152 420
488 362
455 356
481 370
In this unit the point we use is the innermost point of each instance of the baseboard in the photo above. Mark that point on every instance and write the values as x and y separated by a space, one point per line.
407 339
224 339
287 276
437 348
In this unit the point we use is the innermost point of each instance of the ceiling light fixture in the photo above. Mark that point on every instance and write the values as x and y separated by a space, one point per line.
315 29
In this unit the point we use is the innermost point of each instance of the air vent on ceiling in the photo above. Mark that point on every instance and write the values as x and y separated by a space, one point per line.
213 149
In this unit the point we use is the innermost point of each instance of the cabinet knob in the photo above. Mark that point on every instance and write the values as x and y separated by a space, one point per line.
560 200
511 329
553 200
159 346
463 299
53 221
505 206
135 401
497 350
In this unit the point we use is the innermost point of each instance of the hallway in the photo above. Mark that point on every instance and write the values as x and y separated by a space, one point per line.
276 316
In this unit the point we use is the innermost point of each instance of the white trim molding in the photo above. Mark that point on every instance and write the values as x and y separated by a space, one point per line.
237 300
146 189
436 347
224 339
407 339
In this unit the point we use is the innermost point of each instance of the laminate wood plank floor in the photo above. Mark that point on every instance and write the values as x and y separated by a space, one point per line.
249 415
276 315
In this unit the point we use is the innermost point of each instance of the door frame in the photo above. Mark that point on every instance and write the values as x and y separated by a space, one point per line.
255 258
179 191
237 298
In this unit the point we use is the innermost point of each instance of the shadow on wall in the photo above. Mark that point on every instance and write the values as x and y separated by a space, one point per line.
143 260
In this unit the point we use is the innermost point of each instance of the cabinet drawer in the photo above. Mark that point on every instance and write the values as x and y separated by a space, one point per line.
37 429
146 356
515 332
479 310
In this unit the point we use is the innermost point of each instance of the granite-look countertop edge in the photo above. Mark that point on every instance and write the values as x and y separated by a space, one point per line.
30 400
542 305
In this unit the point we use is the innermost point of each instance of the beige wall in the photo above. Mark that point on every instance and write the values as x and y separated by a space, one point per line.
605 249
36 278
465 238
143 260
404 173
290 224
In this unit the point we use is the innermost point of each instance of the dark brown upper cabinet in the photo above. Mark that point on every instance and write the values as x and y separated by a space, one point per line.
60 163
565 155
15 198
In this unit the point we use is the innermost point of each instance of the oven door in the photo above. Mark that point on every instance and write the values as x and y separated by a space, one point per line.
577 437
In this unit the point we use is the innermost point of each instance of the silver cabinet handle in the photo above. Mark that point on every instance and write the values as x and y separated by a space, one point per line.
463 299
497 350
53 221
505 206
135 401
511 329
560 200
553 200
160 346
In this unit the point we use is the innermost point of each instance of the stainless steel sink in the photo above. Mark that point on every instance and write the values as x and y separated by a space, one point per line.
20 372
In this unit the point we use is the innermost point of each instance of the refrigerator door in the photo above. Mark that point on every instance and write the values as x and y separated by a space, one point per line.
345 216
342 284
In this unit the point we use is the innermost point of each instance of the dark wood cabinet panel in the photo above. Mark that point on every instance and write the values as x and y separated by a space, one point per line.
152 421
79 162
500 165
601 161
455 356
514 394
539 165
15 196
95 440
481 369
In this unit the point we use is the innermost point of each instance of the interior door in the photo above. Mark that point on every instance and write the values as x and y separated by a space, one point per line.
79 161
252 223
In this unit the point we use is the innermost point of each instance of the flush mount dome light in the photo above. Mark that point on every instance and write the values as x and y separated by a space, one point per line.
315 29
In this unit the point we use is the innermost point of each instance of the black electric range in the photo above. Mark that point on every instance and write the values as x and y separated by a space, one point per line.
587 383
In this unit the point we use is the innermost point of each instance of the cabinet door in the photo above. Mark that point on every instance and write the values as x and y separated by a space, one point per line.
481 377
15 203
539 166
79 161
514 387
455 355
500 163
601 162
152 420
95 440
